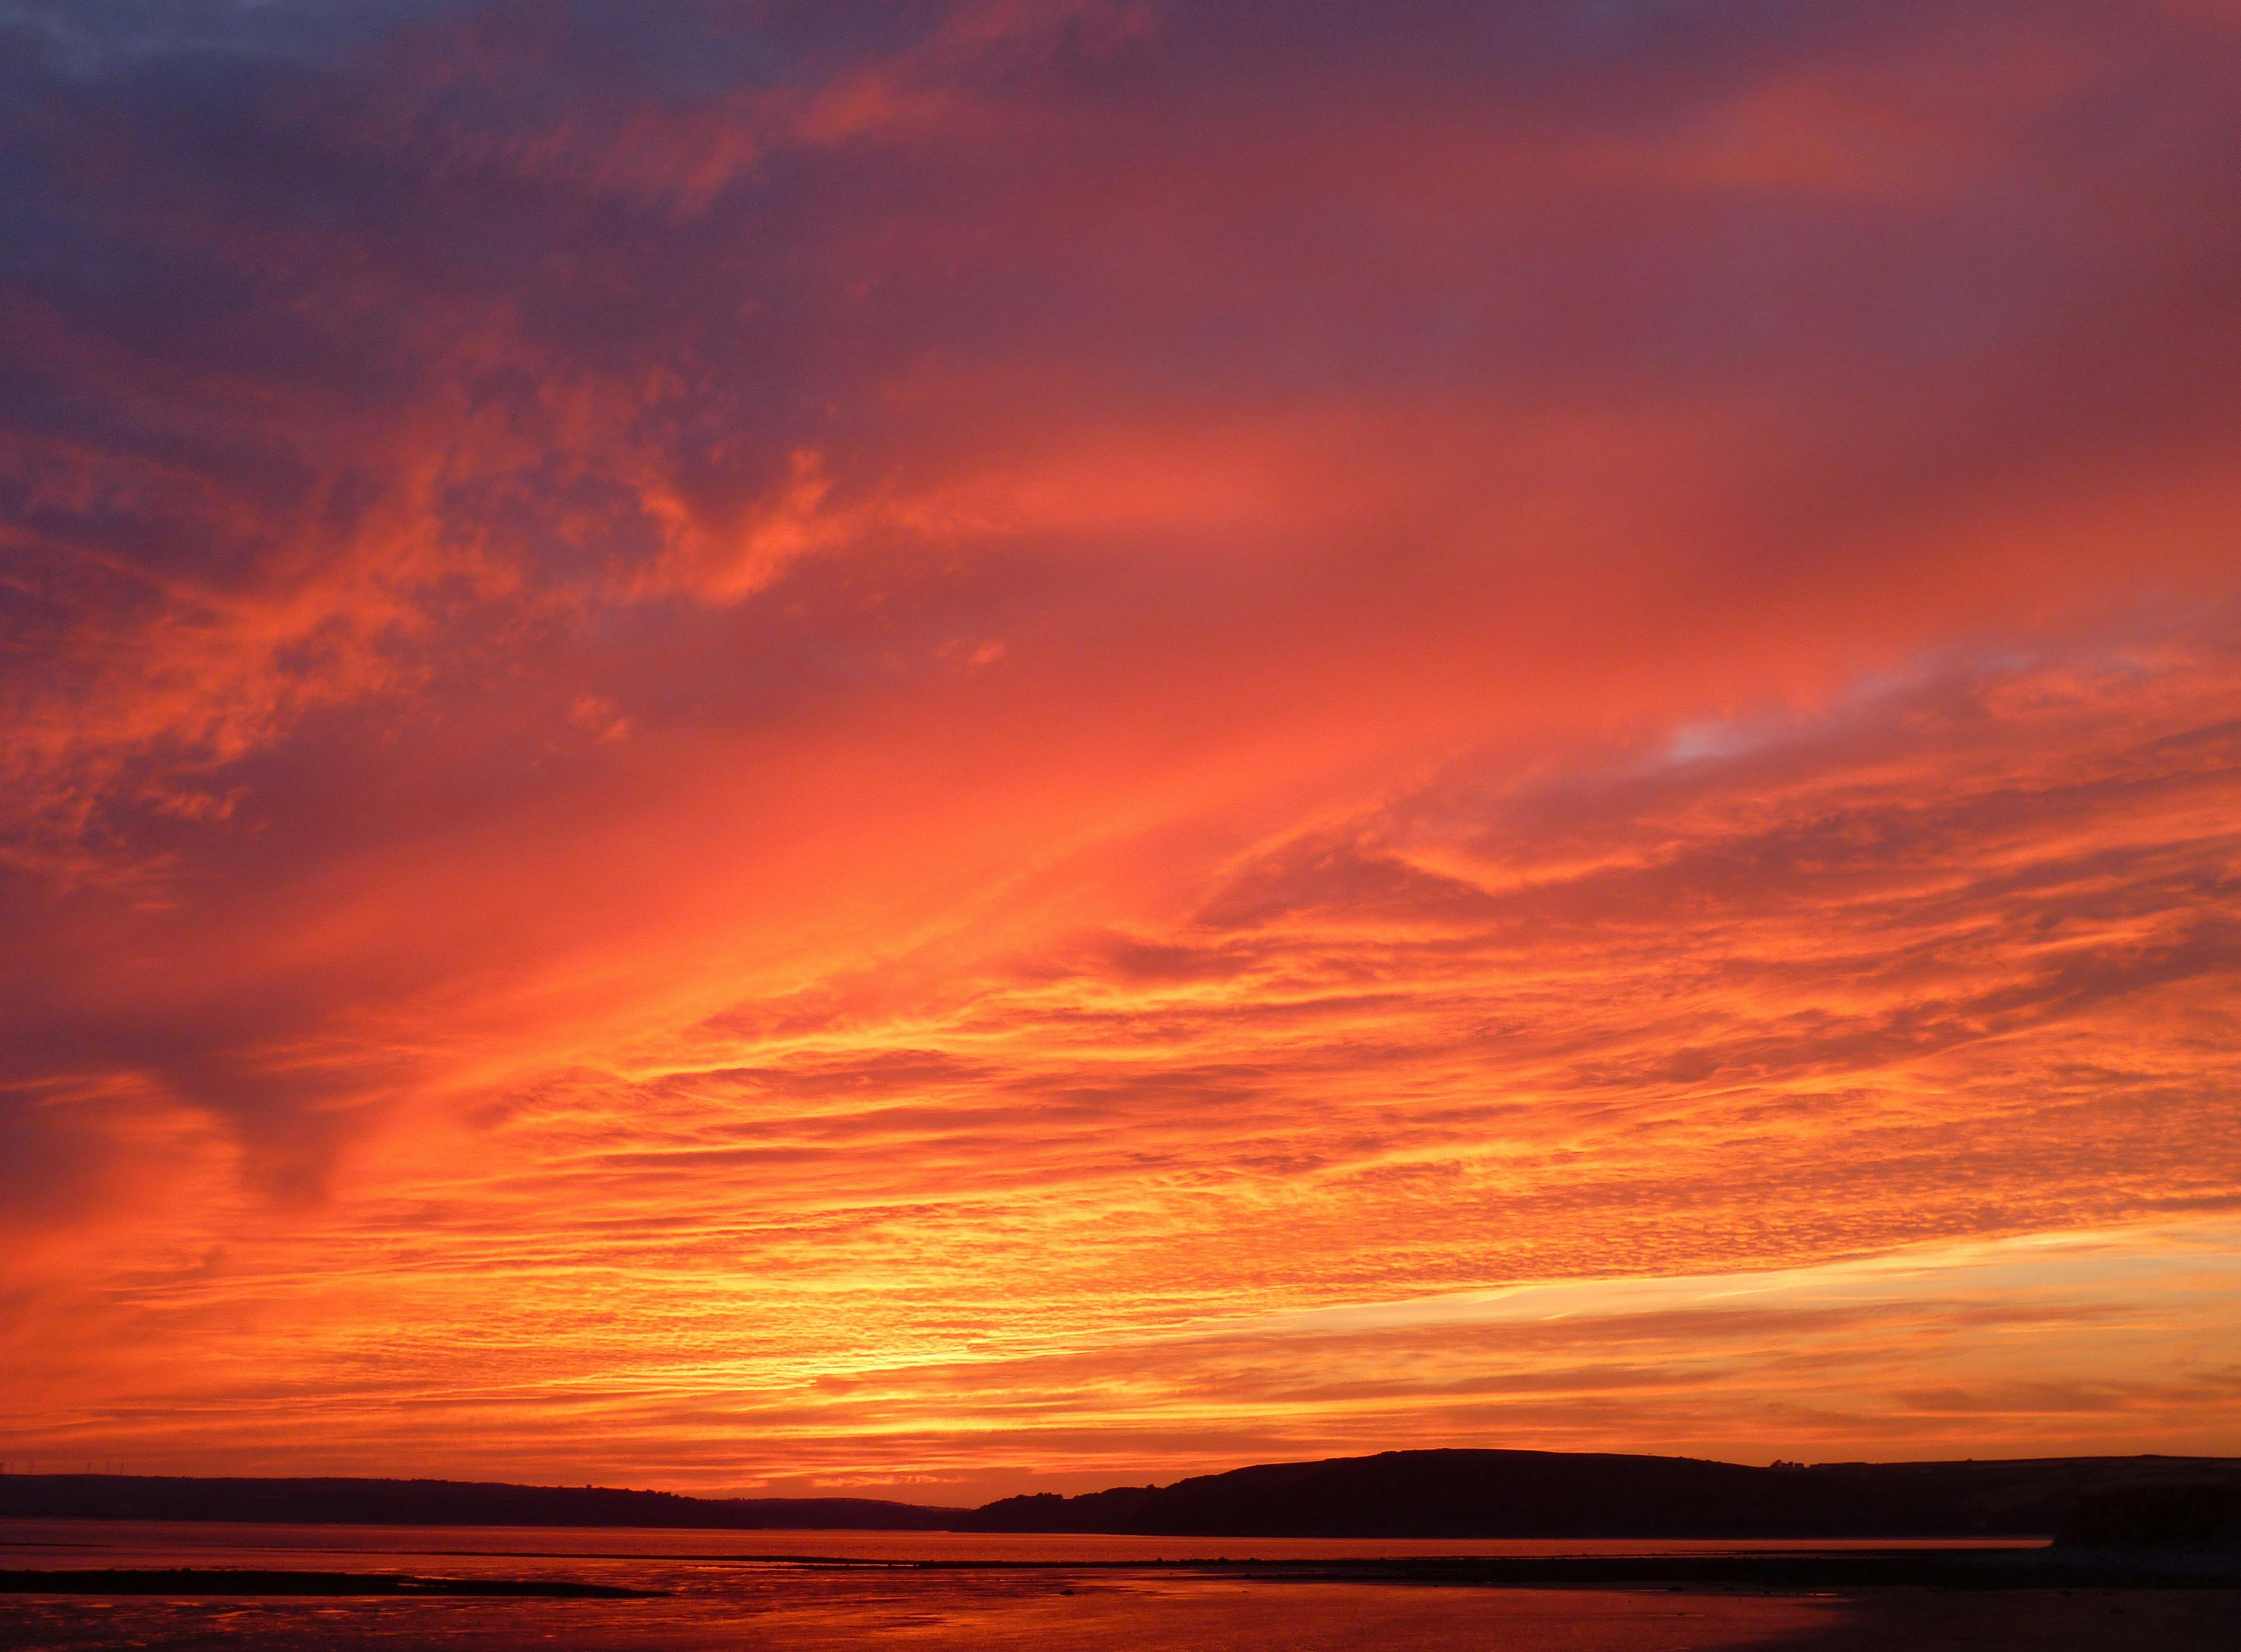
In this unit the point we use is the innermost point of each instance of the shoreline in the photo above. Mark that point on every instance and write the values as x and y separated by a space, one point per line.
187 1581
1845 1572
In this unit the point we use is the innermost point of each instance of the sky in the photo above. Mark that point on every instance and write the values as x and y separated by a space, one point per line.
929 749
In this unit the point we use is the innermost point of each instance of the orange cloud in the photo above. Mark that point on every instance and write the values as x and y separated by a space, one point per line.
1070 739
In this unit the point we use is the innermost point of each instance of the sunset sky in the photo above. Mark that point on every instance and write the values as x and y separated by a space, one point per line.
930 750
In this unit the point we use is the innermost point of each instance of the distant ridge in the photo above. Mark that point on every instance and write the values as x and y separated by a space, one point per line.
1547 1494
442 1503
1455 1493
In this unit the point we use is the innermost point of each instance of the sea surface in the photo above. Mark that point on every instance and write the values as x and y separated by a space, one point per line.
794 1591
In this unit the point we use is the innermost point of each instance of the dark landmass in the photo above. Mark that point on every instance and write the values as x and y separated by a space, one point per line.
2200 1514
1901 1620
1799 1570
222 1580
1794 1571
441 1502
2102 1502
1540 1494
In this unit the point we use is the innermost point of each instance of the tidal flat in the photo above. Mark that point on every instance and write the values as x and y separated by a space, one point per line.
811 1592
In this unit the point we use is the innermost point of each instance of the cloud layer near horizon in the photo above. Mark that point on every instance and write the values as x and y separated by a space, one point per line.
859 746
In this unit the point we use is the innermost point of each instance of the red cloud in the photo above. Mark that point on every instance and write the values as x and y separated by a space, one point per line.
967 691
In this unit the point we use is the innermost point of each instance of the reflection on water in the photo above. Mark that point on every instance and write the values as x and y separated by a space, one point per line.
133 1543
947 1612
742 1590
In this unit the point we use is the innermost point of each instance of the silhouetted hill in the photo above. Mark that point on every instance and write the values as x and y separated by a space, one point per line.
441 1502
1397 1493
1538 1493
2193 1513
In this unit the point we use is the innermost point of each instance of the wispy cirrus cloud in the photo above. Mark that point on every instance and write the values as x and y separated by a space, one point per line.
1007 676
1948 965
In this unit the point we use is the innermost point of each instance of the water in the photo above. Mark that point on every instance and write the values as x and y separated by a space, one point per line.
768 1590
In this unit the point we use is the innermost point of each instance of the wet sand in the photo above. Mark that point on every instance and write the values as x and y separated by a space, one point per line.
1034 1613
2025 1620
223 1581
170 1589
